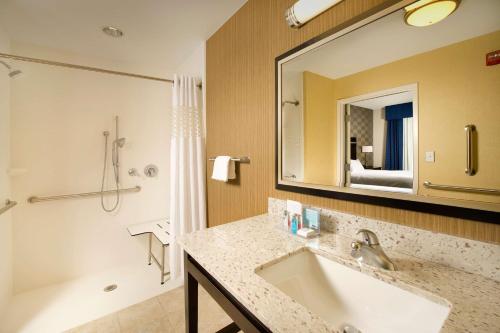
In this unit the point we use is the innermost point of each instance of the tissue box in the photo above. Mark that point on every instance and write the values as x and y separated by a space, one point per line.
312 219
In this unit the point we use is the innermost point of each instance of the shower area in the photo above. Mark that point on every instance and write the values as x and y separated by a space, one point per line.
86 155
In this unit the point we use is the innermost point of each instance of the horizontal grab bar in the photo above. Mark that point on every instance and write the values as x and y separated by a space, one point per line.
462 188
243 159
35 199
8 205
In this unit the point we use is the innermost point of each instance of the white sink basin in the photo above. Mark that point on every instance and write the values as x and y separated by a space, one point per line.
343 296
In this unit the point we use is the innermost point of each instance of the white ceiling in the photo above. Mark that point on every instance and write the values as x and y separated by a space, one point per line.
390 39
383 101
158 33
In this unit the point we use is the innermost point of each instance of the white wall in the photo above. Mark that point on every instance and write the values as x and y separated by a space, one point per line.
58 116
195 65
379 133
5 193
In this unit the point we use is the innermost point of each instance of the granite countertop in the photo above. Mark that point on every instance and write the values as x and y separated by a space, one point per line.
233 252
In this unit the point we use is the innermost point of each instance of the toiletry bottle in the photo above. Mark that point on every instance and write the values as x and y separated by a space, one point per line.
286 221
295 223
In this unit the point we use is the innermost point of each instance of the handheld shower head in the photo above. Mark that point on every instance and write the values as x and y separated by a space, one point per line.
12 72
120 142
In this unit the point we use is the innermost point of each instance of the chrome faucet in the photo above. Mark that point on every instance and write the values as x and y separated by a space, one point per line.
370 252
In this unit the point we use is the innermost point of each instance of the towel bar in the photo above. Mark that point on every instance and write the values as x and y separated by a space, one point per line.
243 159
34 199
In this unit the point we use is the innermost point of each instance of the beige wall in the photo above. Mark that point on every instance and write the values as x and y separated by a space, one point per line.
455 88
292 129
320 130
58 116
5 189
241 116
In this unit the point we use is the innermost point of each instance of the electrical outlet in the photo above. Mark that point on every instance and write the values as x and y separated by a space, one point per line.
429 156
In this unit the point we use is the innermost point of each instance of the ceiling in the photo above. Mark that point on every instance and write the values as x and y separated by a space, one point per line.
159 33
383 101
390 39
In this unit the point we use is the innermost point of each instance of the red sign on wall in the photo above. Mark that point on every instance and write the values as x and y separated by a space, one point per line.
493 58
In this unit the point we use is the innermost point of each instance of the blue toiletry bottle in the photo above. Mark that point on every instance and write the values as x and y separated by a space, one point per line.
295 223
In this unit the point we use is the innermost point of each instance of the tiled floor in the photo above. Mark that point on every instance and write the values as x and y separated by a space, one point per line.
164 313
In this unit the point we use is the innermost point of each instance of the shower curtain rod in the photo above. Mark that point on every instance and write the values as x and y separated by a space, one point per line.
86 68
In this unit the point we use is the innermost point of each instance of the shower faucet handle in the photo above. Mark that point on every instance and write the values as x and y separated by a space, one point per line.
151 170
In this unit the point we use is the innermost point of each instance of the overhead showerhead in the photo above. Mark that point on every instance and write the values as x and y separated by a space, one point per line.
12 72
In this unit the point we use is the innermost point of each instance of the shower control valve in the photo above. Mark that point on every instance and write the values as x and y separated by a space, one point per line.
151 170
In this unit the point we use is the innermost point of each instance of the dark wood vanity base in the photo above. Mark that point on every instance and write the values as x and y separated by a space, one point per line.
243 319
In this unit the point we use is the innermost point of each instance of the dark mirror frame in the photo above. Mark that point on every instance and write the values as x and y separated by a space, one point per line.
417 206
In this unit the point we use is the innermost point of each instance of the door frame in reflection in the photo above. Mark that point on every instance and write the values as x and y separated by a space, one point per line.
343 148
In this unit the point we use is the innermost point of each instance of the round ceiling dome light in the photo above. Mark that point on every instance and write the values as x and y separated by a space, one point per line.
112 31
427 12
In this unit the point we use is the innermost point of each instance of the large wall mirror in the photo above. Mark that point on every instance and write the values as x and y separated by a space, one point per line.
383 112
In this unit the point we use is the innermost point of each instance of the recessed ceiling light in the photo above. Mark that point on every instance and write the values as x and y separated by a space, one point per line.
112 31
427 12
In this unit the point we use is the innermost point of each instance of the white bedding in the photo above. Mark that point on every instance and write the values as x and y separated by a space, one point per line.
392 178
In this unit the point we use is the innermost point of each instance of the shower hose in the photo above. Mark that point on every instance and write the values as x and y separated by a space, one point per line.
115 171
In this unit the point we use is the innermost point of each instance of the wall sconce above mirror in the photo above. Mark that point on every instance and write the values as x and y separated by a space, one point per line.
304 10
380 106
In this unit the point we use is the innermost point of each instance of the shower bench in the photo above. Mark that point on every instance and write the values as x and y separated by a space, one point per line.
159 229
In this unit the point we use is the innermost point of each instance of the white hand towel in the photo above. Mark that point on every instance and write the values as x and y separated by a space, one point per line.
224 169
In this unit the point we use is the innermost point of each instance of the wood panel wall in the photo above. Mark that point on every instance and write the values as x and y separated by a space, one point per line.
241 111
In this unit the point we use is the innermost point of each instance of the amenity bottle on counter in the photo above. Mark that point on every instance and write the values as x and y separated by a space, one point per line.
294 224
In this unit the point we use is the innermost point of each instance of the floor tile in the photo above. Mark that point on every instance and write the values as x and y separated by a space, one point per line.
173 300
107 324
161 325
140 314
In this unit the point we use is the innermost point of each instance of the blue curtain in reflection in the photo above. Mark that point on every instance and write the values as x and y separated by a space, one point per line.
394 147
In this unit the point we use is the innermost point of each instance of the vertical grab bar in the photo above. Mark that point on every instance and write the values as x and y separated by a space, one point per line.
469 168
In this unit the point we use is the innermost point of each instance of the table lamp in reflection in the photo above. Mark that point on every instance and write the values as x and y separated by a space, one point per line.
366 149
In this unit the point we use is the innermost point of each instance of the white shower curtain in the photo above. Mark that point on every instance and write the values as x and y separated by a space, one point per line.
187 167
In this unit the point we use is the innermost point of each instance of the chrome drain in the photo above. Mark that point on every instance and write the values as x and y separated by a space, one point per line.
109 288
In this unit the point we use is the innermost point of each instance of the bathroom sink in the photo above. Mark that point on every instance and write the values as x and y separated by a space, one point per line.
345 297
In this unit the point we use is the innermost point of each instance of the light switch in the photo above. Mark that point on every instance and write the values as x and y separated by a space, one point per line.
429 156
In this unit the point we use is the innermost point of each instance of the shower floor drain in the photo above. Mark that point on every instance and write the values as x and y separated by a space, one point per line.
109 288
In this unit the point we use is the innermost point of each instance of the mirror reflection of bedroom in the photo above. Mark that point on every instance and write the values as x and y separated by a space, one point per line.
447 140
380 141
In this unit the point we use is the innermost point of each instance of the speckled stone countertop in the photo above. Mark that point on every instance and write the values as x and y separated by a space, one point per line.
233 252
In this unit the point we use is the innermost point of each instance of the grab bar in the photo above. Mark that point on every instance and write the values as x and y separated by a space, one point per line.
243 159
469 168
35 199
8 205
462 188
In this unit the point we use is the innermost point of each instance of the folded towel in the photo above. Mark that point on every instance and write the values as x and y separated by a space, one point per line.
223 169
